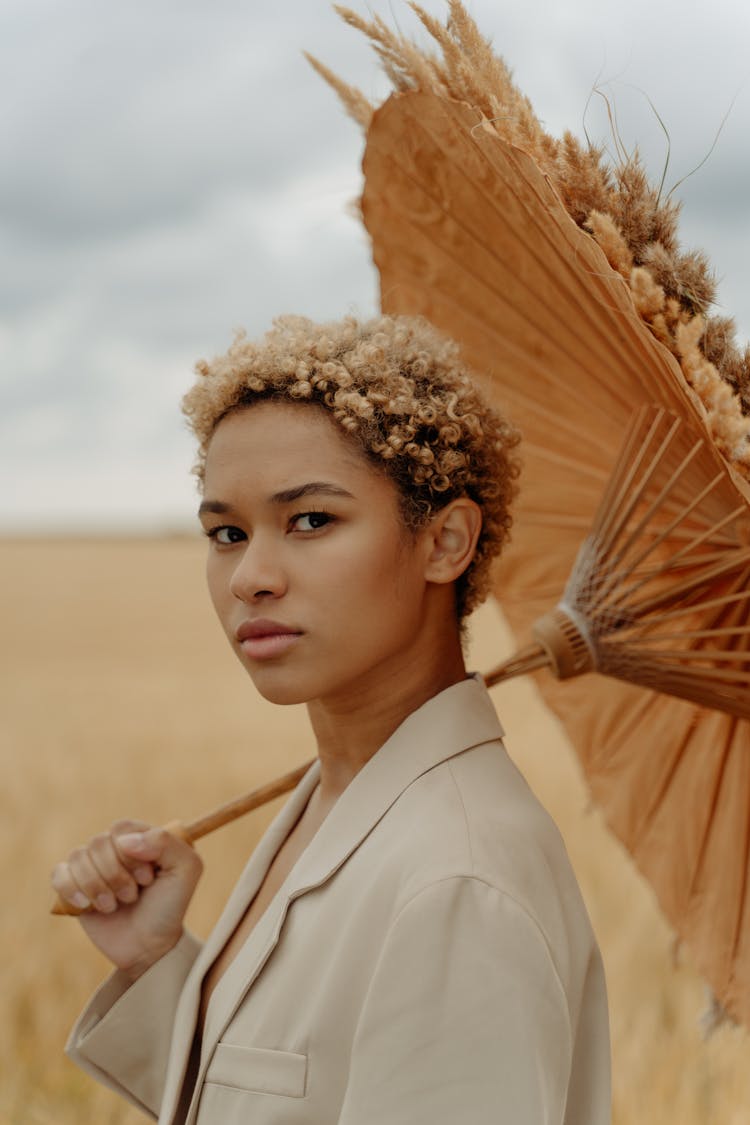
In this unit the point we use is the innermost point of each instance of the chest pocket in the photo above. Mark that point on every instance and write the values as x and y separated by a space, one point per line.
257 1070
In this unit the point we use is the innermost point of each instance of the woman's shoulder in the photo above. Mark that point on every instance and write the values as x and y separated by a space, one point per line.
474 807
474 817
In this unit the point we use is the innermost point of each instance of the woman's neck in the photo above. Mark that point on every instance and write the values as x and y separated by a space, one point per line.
351 728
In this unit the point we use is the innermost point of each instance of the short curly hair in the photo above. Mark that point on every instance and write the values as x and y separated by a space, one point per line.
400 391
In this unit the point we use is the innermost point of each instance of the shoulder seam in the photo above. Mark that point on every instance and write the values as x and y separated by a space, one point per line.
501 893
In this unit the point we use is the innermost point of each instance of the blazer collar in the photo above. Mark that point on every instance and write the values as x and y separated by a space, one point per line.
455 720
458 718
242 895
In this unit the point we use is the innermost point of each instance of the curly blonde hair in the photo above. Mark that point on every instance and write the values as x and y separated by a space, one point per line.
400 392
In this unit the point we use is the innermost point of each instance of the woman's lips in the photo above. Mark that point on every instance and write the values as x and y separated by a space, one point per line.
265 639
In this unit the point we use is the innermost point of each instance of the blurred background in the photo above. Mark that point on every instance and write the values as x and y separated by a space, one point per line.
172 172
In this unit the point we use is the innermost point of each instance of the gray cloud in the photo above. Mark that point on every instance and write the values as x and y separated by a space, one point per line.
175 170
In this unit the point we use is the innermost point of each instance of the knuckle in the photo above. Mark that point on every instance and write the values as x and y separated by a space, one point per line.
127 825
90 884
59 876
127 893
158 841
119 880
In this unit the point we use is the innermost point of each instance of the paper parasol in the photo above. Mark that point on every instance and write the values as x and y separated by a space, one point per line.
468 231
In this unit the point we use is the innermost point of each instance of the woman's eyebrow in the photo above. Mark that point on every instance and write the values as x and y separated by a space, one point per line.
216 506
286 496
317 487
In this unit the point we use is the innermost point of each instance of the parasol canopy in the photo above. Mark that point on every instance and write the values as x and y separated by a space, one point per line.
468 230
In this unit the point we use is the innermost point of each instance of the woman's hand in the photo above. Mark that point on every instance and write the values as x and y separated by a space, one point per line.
138 882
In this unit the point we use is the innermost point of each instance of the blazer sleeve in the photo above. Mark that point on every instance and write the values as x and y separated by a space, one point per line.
465 1019
123 1036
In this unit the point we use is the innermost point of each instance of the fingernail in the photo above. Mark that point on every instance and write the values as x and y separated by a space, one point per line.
133 841
128 894
106 903
80 901
143 875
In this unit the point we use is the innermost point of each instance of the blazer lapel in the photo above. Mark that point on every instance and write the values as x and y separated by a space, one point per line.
459 718
241 897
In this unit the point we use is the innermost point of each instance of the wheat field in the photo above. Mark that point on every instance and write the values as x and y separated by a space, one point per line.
119 696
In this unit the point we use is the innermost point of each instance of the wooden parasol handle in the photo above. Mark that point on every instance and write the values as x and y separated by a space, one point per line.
217 819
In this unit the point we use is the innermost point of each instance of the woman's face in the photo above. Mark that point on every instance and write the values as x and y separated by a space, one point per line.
320 589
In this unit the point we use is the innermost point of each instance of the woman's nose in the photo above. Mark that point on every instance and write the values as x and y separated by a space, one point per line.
258 574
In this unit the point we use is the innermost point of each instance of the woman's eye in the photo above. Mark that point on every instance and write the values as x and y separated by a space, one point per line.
226 535
310 521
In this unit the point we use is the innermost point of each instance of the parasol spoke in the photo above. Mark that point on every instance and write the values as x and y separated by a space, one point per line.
714 603
710 661
665 533
616 509
696 634
705 577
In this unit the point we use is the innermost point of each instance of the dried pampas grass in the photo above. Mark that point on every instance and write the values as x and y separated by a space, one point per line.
633 223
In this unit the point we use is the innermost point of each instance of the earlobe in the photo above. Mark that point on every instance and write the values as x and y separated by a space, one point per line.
453 532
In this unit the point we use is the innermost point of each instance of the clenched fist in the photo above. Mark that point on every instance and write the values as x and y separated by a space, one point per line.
135 883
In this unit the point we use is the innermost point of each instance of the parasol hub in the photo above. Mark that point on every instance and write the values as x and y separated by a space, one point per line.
564 637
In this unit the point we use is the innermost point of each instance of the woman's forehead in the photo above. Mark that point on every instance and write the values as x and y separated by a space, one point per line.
283 445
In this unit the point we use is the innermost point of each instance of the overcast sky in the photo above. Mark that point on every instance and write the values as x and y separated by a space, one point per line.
173 170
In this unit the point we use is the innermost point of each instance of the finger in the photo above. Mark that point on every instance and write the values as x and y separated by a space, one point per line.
121 826
113 871
86 879
154 845
158 847
89 880
143 873
67 889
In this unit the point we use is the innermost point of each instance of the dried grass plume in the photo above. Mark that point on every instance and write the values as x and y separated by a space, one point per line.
613 201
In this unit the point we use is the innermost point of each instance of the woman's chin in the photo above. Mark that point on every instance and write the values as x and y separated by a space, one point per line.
286 690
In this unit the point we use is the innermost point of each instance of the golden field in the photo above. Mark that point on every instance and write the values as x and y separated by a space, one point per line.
120 697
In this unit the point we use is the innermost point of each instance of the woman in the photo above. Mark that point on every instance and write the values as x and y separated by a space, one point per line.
407 943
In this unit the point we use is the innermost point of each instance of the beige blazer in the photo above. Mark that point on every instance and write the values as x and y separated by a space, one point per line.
428 961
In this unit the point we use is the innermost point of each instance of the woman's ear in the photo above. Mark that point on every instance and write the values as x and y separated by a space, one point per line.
452 540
